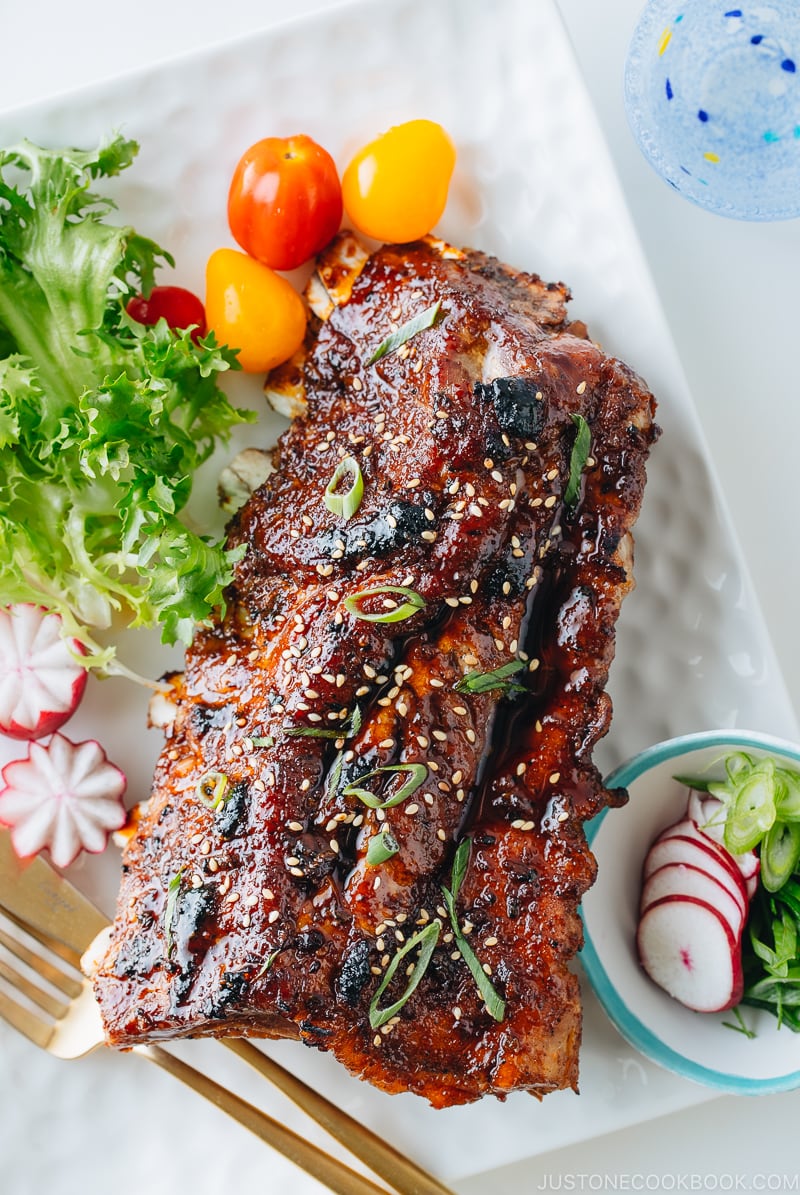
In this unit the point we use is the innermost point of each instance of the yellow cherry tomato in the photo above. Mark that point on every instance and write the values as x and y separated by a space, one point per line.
253 309
395 188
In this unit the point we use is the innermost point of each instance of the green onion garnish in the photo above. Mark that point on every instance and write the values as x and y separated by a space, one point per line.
425 319
426 940
578 459
213 790
486 682
173 892
313 732
381 847
494 1004
399 613
345 502
417 775
268 961
350 728
263 741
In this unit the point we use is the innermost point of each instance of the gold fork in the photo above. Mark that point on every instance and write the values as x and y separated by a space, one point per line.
45 906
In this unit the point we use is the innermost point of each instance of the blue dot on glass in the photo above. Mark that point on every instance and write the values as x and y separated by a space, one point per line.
669 90
701 115
734 12
685 171
788 65
757 40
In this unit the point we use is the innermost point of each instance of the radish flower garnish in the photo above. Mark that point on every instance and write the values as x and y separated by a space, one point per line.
65 797
41 681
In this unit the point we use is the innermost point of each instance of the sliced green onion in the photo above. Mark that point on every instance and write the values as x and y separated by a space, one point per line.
173 892
413 604
486 682
314 732
417 776
577 460
268 961
779 854
345 503
425 319
263 741
426 940
213 790
346 731
381 847
495 1005
788 802
753 811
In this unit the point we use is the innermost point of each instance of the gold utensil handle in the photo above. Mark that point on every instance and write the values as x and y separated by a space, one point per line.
330 1172
400 1172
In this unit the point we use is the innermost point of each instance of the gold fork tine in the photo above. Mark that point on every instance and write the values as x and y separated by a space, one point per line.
47 1003
43 967
25 1022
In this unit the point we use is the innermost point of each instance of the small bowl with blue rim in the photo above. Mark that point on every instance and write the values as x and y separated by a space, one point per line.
712 93
744 1051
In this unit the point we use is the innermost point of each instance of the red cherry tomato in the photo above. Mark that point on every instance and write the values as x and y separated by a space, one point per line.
285 201
179 307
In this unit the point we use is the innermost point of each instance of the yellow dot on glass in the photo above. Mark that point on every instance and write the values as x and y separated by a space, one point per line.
666 37
711 157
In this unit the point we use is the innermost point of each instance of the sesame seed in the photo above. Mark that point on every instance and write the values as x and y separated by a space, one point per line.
376 883
358 384
377 1039
455 955
413 483
385 744
423 741
555 777
411 809
213 866
297 871
487 968
550 502
460 710
563 816
580 388
231 898
292 861
197 881
440 834
267 893
551 474
205 848
457 1013
517 824
457 776
334 845
521 769
439 735
273 917
436 683
428 536
490 941
296 826
471 736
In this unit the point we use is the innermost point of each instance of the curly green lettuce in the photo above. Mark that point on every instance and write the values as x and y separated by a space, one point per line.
103 422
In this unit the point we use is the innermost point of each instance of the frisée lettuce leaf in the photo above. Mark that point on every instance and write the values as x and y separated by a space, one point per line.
103 421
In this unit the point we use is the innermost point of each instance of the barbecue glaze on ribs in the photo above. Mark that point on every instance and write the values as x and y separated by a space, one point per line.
263 917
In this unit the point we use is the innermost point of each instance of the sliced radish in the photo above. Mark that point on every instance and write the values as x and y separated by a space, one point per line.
694 853
681 879
688 829
41 682
65 796
686 947
707 814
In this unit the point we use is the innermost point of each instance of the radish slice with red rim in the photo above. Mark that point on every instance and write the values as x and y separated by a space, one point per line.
65 797
690 851
686 947
41 681
683 879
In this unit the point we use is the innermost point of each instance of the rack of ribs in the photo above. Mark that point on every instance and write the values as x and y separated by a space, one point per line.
330 748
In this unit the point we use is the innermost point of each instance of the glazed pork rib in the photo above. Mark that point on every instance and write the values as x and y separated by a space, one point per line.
426 674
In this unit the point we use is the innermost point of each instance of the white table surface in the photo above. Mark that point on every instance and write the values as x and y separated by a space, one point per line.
730 294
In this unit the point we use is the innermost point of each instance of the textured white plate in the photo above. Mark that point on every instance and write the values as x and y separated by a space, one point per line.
534 185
